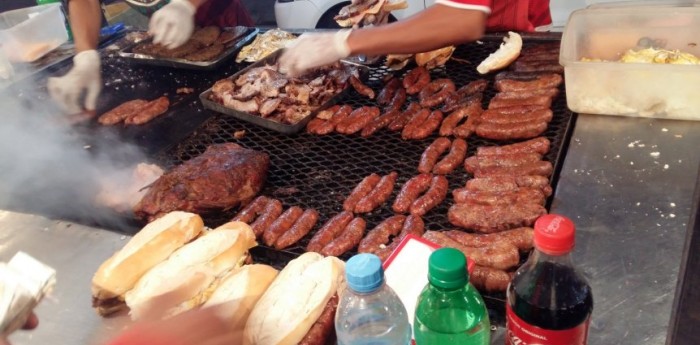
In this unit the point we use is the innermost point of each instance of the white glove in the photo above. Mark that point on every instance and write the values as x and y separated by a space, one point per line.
173 24
313 50
84 76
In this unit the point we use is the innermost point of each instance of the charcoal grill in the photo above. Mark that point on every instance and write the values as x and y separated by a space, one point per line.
320 171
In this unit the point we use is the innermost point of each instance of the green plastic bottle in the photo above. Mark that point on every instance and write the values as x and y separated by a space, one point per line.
449 309
68 29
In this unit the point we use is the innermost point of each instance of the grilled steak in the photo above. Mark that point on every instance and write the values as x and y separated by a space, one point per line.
222 177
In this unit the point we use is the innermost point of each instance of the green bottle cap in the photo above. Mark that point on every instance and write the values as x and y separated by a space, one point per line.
447 268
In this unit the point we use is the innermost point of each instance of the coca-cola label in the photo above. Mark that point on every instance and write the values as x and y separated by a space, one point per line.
519 332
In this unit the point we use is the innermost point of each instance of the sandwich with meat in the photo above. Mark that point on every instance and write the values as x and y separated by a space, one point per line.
367 12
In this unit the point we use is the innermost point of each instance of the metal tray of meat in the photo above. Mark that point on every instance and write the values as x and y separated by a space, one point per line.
320 171
270 123
230 51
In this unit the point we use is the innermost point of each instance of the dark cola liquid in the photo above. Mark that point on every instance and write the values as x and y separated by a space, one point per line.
550 296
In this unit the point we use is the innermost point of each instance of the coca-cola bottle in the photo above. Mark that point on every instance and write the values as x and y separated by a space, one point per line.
548 301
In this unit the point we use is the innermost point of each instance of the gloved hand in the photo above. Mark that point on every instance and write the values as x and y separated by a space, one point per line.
313 50
173 24
84 76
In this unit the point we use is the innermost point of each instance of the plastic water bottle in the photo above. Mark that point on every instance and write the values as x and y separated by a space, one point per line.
369 311
450 310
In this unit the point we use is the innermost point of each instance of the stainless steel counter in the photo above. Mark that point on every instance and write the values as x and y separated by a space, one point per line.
627 183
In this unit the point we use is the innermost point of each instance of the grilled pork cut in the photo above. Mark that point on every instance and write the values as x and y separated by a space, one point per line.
222 177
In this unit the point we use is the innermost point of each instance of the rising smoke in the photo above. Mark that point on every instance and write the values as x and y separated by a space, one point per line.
48 167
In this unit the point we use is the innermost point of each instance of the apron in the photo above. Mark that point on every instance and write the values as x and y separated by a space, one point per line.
519 15
221 13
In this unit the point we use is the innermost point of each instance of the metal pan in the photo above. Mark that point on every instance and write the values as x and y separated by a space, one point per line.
268 123
230 51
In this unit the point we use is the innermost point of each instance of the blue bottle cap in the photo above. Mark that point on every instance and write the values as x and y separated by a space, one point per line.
364 273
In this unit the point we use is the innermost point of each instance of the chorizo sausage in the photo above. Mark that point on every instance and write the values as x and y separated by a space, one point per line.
330 230
415 80
490 219
400 122
379 123
150 111
496 184
281 225
348 239
433 197
432 153
360 191
329 125
543 101
538 145
539 115
435 92
381 233
301 227
508 131
521 238
453 159
361 88
252 210
412 225
410 191
542 168
122 112
499 255
387 93
474 163
538 81
358 119
521 195
272 211
452 120
538 66
551 93
379 195
466 129
398 100
323 328
428 126
489 279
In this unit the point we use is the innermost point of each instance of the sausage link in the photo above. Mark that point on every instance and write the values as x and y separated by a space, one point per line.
538 145
398 100
521 195
299 229
551 93
543 101
521 238
252 210
535 181
509 131
400 122
281 225
452 120
538 66
410 191
329 125
490 219
387 93
415 80
150 111
361 88
122 112
453 159
360 191
431 154
359 118
542 168
348 239
379 195
435 92
501 183
539 56
540 115
316 126
272 211
474 163
499 255
425 129
323 328
412 225
433 197
467 129
381 233
415 122
379 123
330 230
488 279
540 81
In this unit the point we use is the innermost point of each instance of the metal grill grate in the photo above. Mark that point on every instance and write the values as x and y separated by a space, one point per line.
320 171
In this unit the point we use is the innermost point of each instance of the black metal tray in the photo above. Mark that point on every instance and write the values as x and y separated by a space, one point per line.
267 123
128 54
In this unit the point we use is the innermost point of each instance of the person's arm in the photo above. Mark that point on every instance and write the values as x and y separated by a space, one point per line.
435 27
85 21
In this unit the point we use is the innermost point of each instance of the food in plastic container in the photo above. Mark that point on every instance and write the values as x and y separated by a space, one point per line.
28 34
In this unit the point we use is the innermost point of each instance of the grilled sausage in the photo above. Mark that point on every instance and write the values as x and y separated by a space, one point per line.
540 115
322 330
496 184
361 88
319 125
410 191
379 195
431 154
535 181
519 196
474 163
381 233
281 225
538 145
415 122
488 279
329 231
435 92
490 219
360 191
387 93
551 93
538 66
537 81
122 112
508 131
415 80
359 118
499 255
338 116
427 127
150 111
400 122
379 123
398 100
514 110
301 228
543 101
412 225
433 197
272 211
521 238
252 210
542 168
453 159
467 129
348 239
451 121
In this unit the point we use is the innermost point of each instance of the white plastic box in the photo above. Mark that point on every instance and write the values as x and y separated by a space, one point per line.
631 89
29 33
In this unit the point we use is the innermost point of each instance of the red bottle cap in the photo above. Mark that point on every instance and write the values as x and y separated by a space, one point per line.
554 234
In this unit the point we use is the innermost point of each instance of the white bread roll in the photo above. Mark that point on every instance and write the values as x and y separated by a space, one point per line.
504 56
186 277
240 290
295 300
149 247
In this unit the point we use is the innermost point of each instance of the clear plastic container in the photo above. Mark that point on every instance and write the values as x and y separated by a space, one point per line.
30 33
369 311
631 89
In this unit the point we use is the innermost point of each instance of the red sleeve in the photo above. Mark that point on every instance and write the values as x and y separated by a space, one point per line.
478 5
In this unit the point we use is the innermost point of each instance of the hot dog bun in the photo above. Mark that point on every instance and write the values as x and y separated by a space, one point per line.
504 56
190 274
149 247
295 300
239 291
